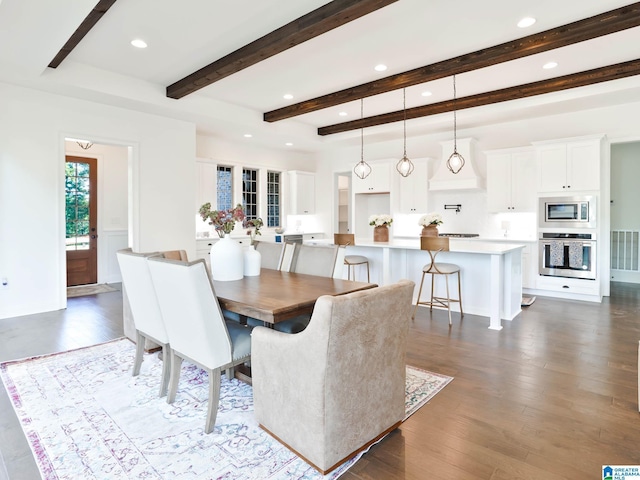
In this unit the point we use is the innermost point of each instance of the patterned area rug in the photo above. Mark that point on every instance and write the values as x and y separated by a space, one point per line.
86 417
83 290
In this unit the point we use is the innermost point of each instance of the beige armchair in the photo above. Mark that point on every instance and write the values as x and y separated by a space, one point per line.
335 388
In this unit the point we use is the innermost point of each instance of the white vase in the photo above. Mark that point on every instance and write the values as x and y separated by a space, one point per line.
252 261
227 260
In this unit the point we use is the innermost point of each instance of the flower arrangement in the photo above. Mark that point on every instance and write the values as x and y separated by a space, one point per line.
253 227
430 219
380 220
222 220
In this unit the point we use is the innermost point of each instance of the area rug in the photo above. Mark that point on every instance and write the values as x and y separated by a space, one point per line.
82 290
86 417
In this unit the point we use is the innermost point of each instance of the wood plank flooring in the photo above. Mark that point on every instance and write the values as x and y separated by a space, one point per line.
553 395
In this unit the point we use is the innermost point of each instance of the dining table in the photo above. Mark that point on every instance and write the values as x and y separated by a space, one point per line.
275 296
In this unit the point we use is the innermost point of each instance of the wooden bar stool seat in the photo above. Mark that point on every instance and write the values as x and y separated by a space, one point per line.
435 245
351 261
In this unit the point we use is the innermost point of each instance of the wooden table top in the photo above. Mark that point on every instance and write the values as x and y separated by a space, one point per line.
274 296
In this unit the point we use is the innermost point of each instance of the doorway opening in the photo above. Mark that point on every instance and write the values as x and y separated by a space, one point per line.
343 202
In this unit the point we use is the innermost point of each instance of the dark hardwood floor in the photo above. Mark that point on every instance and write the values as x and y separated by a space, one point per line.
551 396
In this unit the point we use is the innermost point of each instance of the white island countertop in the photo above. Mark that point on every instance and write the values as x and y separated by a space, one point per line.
455 245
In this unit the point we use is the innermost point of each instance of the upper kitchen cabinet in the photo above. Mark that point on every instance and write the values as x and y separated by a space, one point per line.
413 191
378 181
510 185
206 181
571 166
302 192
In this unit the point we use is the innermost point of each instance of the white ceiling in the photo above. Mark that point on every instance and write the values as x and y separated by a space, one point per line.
185 36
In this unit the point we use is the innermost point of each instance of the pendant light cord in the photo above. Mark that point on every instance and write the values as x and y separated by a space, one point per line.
404 120
361 130
455 119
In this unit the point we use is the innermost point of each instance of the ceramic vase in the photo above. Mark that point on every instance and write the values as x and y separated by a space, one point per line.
381 233
429 231
252 261
227 260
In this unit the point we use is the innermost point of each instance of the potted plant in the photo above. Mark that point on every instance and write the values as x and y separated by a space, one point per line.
430 223
227 257
380 223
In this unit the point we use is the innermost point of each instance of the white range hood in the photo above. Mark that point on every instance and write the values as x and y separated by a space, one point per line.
466 179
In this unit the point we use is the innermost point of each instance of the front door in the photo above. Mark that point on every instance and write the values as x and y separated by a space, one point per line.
81 220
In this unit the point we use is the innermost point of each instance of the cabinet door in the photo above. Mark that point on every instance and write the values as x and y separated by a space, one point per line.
377 181
523 190
583 165
552 168
413 190
303 193
499 182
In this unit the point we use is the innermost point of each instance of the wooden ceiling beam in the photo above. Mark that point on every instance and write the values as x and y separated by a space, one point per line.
606 23
581 79
87 24
315 23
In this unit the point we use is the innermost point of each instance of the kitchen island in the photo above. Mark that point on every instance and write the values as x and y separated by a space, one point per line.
491 273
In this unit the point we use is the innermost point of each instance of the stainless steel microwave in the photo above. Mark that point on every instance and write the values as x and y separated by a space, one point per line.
567 212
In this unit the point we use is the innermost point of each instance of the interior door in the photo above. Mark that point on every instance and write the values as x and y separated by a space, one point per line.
81 220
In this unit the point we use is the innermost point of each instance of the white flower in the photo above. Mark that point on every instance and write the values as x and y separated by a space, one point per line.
430 219
380 219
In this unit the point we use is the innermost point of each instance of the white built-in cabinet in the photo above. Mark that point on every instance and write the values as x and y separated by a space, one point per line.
510 185
413 190
378 181
302 193
571 166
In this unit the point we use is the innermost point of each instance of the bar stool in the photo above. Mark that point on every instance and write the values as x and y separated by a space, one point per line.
435 245
351 261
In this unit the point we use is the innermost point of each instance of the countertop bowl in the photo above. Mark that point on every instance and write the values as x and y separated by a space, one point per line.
279 231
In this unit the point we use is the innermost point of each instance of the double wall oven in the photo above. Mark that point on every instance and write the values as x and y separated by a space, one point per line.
567 244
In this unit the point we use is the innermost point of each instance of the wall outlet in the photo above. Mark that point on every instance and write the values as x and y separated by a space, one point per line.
4 283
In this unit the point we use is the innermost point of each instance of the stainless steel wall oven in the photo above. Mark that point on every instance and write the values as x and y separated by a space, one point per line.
568 255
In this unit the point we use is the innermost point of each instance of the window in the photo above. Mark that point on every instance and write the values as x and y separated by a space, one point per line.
250 193
225 188
273 199
77 205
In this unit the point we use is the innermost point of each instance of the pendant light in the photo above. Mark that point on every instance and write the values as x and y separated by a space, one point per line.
362 168
404 165
456 161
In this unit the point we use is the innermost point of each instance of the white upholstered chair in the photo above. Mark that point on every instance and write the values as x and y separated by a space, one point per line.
287 256
335 388
271 254
351 261
435 245
197 330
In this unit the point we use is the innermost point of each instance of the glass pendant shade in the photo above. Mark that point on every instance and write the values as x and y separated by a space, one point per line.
404 166
362 169
455 162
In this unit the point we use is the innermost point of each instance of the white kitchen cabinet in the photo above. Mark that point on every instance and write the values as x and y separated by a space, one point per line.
206 181
569 167
412 190
510 186
378 181
302 192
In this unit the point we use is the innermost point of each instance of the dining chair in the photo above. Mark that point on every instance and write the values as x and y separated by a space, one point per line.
435 245
196 328
287 256
351 260
335 388
143 303
271 254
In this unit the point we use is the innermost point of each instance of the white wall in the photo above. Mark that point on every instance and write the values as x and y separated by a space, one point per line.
33 126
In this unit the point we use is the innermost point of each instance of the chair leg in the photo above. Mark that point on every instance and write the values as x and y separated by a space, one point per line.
368 278
140 340
460 295
433 282
446 279
214 400
166 369
230 373
418 299
176 364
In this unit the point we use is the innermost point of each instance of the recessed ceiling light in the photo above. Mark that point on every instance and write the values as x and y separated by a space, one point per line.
289 144
138 43
287 96
426 94
550 65
526 22
380 68
343 114
247 135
